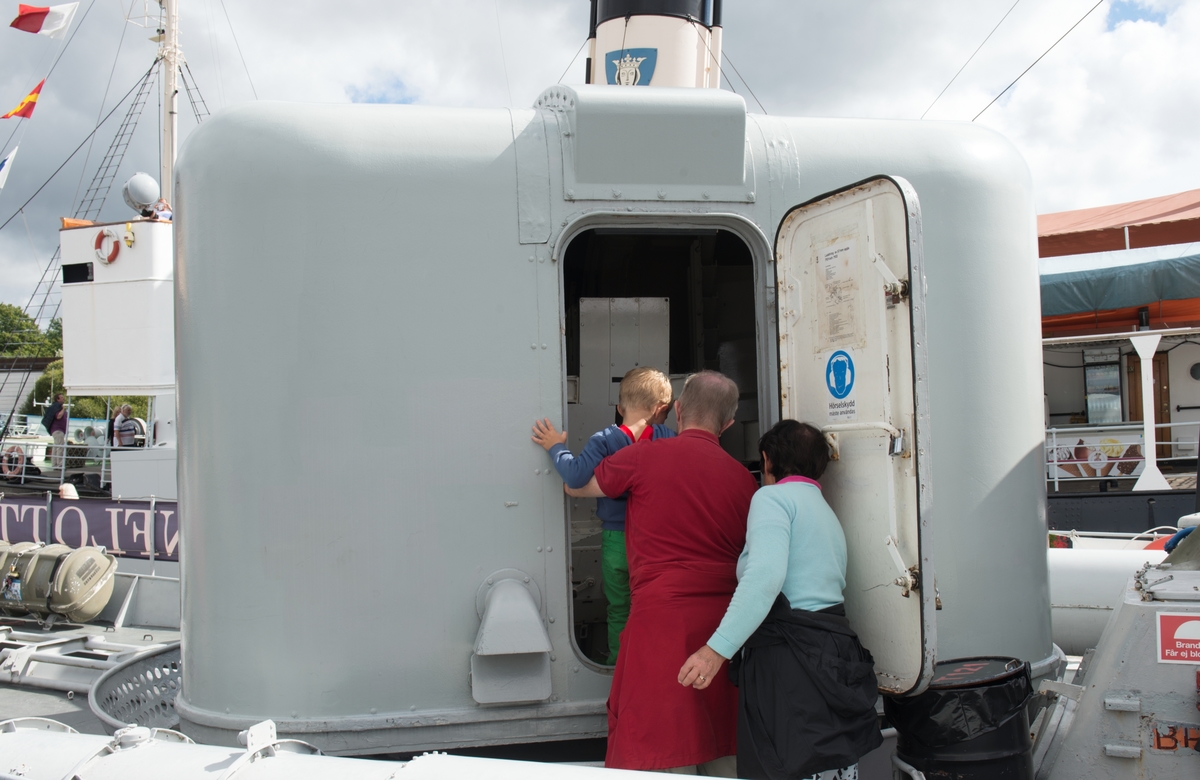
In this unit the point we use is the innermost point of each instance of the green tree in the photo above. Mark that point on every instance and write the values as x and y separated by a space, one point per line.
54 338
51 382
96 407
20 335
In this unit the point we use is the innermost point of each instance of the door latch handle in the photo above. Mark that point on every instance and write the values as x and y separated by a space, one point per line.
910 576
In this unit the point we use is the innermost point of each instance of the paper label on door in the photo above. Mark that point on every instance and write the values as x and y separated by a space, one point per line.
840 374
839 305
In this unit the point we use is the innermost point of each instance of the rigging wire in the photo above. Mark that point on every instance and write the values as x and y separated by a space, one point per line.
1039 59
61 52
29 234
503 59
87 157
712 57
212 47
968 62
21 127
744 82
729 81
239 51
199 109
71 38
77 148
564 75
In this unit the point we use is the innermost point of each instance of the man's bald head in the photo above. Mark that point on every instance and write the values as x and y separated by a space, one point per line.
709 401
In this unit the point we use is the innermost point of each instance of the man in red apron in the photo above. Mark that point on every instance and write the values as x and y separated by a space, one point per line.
685 527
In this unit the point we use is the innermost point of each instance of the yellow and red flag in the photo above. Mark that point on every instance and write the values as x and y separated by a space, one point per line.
25 107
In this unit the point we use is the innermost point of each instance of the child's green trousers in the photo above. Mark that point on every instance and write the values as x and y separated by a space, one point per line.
614 565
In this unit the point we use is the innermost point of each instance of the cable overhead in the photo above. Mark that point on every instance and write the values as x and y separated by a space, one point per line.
728 80
564 75
968 62
745 83
96 194
239 51
1039 59
77 148
503 59
100 112
61 52
71 38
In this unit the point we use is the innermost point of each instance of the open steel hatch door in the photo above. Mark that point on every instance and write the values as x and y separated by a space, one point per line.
852 361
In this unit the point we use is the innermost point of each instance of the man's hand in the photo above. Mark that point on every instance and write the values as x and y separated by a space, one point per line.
590 490
699 669
545 434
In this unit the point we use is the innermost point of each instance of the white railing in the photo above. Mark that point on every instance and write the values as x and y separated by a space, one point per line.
42 463
1114 465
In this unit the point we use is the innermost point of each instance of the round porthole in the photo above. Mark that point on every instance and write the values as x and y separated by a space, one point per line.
1195 371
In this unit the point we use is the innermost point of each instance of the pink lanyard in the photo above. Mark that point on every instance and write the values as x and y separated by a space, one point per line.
804 480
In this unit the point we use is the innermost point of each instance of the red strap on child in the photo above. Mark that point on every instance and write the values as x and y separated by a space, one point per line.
647 433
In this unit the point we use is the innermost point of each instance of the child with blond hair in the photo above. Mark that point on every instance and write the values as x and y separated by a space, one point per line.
644 402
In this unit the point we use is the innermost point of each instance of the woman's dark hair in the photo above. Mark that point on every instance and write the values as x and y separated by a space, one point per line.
795 449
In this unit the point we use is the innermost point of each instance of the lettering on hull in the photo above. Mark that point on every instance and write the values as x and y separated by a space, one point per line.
122 527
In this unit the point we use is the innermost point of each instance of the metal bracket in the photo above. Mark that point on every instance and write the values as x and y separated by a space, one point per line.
1073 692
910 576
258 736
261 742
893 286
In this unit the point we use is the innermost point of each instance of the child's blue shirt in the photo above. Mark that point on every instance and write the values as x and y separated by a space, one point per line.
576 470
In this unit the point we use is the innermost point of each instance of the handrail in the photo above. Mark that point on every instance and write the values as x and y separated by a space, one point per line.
72 450
1136 426
862 426
1121 336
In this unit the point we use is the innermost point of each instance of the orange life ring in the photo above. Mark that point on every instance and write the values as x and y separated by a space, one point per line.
116 245
13 462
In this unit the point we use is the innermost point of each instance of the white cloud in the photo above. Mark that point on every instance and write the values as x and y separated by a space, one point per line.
1105 117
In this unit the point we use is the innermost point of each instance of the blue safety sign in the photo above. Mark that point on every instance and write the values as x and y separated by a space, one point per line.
839 374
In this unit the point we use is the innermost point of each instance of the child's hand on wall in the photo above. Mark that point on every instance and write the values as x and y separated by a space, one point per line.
546 436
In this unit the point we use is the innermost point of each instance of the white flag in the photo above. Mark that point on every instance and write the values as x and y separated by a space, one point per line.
5 165
58 20
52 21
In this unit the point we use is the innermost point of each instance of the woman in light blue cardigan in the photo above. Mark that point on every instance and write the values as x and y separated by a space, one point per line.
787 611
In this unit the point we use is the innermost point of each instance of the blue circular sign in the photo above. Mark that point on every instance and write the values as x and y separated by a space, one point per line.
839 374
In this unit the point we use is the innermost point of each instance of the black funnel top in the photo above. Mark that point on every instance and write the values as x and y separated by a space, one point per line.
618 9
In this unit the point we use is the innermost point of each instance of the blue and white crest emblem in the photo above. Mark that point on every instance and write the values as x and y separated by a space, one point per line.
630 67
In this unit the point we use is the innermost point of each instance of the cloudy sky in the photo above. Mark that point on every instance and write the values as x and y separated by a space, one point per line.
1107 116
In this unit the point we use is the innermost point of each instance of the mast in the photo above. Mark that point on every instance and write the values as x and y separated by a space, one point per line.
169 53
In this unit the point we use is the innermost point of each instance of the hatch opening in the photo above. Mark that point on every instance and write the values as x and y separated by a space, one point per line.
679 300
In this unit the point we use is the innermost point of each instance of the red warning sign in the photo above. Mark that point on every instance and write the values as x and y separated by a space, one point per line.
1179 637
